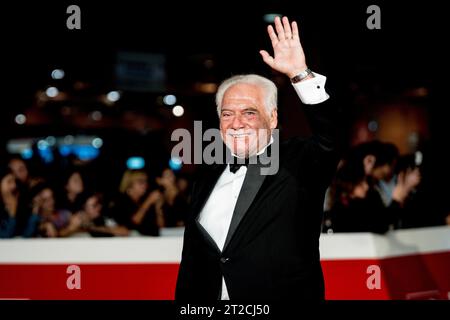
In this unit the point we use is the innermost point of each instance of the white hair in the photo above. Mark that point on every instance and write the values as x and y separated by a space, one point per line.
269 88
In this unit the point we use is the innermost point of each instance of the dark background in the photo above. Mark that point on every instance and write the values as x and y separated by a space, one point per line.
370 72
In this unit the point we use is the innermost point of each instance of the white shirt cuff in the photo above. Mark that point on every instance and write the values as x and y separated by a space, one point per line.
312 91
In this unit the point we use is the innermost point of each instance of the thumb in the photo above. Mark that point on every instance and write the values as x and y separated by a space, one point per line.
266 57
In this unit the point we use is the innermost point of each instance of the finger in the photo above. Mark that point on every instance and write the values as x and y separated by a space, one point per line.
287 28
279 28
295 34
266 57
272 35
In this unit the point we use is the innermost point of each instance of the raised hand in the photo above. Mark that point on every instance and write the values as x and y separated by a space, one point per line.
406 182
288 56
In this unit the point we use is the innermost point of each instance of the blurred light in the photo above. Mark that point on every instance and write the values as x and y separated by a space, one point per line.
46 155
16 146
69 139
81 85
27 153
178 111
52 92
413 138
422 92
170 99
418 158
86 152
42 145
58 74
97 143
373 126
20 119
113 96
135 163
65 150
50 140
206 87
96 115
175 163
270 17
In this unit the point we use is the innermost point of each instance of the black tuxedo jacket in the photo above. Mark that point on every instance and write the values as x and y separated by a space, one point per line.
272 248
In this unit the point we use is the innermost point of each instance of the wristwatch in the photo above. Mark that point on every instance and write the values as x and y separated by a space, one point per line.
302 75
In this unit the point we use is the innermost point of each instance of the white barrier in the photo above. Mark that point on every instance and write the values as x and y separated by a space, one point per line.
168 249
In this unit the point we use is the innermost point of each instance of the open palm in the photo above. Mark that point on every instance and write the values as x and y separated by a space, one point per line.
288 57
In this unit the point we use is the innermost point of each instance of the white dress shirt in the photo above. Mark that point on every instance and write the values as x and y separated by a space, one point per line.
217 213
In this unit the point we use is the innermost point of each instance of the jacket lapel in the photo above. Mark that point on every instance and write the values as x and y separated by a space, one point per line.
205 189
202 194
252 183
207 236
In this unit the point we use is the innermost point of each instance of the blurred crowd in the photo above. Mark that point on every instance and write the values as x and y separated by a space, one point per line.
38 207
374 190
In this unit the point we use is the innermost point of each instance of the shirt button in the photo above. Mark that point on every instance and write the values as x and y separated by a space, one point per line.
223 259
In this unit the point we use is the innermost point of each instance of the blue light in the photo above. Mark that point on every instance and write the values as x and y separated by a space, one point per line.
113 96
46 155
135 163
52 92
51 140
82 152
175 163
86 152
58 74
270 17
97 143
27 153
42 145
170 99
65 150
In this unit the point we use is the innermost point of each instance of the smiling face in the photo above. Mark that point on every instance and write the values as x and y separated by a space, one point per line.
244 123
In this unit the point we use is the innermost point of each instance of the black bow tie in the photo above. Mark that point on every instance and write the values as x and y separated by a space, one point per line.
234 167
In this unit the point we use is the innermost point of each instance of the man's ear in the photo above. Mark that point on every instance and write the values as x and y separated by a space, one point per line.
274 119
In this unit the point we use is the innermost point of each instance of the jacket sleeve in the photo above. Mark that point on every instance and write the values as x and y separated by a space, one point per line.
320 152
